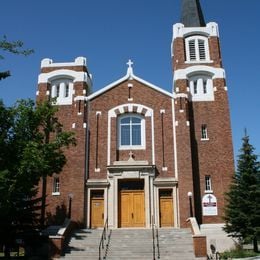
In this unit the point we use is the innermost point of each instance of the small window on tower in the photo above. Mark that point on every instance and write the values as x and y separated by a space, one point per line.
201 87
57 90
204 86
195 83
62 90
67 89
202 51
56 186
192 50
208 185
197 49
204 132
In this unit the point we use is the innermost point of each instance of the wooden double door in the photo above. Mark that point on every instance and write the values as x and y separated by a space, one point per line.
131 208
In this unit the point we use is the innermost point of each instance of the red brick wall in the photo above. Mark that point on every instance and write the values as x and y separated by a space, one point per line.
119 96
198 158
72 177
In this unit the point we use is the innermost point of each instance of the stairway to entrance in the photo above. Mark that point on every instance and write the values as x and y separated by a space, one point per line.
176 244
126 244
83 244
130 244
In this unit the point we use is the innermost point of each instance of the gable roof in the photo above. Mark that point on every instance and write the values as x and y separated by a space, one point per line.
129 75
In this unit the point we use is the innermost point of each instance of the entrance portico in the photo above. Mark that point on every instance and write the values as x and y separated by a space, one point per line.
130 191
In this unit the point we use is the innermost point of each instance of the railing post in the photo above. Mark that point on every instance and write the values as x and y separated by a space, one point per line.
103 237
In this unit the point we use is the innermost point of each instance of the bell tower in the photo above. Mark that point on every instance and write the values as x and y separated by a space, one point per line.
69 84
203 131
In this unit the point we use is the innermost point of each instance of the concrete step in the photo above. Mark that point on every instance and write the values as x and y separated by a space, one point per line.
136 244
83 244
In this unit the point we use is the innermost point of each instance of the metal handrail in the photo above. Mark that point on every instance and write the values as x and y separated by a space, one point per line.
155 237
214 256
102 239
158 245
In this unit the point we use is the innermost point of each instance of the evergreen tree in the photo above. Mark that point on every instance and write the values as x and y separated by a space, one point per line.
242 213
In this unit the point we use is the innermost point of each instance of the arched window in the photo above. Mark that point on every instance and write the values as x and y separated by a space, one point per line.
131 132
201 88
197 49
62 89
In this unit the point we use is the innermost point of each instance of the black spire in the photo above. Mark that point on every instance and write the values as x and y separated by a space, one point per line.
191 14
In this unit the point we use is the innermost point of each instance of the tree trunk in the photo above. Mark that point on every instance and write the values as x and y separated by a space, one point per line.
7 250
255 244
43 206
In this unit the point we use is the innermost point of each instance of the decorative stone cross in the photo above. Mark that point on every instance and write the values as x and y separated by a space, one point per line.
131 154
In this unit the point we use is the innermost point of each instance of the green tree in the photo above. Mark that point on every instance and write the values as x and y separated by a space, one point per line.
14 47
32 146
242 213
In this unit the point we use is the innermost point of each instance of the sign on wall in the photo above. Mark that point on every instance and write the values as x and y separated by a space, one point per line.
209 205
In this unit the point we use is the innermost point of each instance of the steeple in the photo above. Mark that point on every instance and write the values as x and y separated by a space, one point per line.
191 14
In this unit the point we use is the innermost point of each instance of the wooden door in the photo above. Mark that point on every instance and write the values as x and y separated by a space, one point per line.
132 212
97 212
166 209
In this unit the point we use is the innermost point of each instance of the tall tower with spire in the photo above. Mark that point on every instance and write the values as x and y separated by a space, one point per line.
204 142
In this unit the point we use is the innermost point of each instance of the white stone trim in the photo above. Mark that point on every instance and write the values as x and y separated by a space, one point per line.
55 193
216 73
153 141
129 76
174 124
111 114
162 111
79 61
211 29
79 98
182 95
77 76
113 197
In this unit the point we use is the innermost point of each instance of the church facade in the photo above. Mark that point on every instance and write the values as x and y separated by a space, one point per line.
145 155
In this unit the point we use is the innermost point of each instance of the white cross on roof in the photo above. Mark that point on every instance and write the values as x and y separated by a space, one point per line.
130 68
129 63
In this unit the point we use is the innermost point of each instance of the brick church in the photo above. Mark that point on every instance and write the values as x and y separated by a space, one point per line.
144 154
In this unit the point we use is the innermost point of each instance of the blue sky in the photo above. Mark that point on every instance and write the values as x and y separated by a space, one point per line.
108 33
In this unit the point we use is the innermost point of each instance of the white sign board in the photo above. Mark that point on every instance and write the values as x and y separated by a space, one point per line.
209 205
